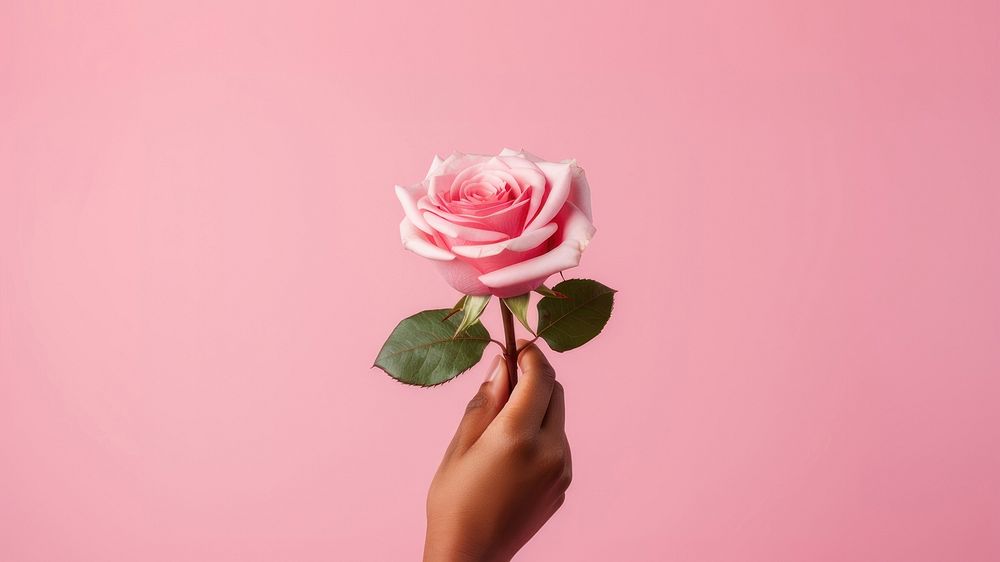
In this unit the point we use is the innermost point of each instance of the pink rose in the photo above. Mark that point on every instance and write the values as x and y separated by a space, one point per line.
500 224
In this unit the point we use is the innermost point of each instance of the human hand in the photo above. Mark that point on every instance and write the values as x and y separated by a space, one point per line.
507 469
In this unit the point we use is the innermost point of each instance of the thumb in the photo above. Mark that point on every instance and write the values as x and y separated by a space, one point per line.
483 407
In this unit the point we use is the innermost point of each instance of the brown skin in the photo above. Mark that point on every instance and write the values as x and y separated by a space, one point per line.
507 469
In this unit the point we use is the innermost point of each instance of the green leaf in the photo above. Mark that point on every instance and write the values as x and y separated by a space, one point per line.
547 292
519 306
423 350
473 308
575 320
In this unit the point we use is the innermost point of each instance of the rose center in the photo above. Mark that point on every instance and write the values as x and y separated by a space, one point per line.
485 188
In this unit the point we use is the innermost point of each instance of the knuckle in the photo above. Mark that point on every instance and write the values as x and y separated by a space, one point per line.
560 501
526 443
558 463
557 388
522 443
546 371
564 480
480 400
554 462
541 369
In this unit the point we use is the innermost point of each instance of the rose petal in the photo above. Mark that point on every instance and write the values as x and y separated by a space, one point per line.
507 180
496 163
533 182
416 241
462 276
575 225
479 189
577 232
459 161
520 154
434 166
408 197
467 209
471 171
560 178
509 220
439 184
522 243
461 232
461 213
517 162
460 177
506 218
527 177
580 194
564 256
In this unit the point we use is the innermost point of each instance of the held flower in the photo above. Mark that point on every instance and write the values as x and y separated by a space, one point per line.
498 225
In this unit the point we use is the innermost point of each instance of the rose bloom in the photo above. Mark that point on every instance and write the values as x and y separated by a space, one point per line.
498 225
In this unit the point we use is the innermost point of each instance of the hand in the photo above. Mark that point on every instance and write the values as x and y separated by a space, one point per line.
507 469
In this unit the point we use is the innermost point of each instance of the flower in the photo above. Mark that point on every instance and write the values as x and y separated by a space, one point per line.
498 225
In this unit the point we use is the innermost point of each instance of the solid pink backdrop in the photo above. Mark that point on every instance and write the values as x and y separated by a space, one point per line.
199 260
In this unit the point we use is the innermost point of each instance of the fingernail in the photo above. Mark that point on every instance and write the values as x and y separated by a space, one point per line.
494 369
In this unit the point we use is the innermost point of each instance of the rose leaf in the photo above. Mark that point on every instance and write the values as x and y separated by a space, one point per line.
423 351
568 323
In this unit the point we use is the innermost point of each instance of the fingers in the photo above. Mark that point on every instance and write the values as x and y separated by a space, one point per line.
530 399
555 416
483 407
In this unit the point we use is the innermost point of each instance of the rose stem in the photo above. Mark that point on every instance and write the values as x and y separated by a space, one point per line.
510 353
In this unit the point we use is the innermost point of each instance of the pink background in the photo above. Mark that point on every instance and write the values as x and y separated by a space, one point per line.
199 260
